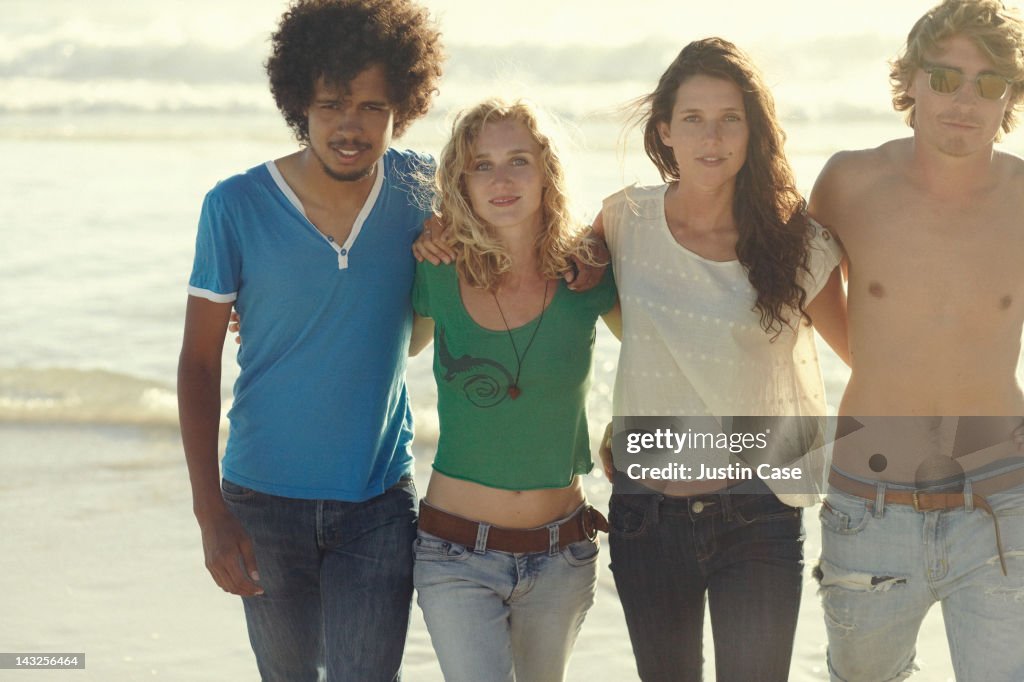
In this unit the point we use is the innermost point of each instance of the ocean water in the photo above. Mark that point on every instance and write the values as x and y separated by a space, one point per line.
116 119
99 232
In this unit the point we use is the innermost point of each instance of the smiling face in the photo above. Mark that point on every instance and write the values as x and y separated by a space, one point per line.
505 178
350 126
961 123
708 131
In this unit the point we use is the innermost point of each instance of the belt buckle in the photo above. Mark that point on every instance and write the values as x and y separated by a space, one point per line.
916 500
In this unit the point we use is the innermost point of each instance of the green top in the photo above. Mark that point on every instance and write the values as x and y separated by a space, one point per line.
539 439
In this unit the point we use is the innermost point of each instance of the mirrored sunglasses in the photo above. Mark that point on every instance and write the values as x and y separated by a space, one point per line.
947 81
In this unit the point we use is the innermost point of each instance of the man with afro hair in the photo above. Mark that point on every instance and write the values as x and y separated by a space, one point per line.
313 518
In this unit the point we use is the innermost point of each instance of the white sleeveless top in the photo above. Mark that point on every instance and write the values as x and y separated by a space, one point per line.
692 343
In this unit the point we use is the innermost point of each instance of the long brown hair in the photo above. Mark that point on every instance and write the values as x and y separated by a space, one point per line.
773 227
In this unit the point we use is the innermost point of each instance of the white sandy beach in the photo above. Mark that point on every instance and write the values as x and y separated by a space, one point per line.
102 556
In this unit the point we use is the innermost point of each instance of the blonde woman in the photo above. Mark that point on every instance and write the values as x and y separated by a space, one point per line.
507 544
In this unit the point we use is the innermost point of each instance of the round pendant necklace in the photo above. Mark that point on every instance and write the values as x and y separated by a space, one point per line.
513 389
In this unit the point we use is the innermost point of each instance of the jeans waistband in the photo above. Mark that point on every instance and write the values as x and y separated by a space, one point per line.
582 524
402 482
708 505
926 500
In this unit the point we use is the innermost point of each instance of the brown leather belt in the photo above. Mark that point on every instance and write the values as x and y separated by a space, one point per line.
583 525
930 501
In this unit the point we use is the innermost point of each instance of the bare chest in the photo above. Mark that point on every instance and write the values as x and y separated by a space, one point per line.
946 265
334 223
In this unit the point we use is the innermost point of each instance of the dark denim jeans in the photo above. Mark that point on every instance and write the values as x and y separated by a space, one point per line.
742 552
337 580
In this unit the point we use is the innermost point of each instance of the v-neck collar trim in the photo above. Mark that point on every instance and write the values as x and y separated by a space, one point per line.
343 251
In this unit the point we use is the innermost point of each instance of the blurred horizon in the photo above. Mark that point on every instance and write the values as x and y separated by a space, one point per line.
824 61
116 118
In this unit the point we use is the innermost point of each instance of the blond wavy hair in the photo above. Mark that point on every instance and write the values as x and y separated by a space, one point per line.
481 257
997 31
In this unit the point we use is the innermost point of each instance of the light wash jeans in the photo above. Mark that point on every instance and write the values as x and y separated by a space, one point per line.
338 583
500 617
882 568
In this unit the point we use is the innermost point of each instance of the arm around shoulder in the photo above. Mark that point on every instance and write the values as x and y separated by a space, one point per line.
422 334
845 182
821 205
613 319
828 314
591 260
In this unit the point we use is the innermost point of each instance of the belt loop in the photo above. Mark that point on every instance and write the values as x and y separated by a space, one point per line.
726 506
654 503
879 499
553 539
482 529
968 496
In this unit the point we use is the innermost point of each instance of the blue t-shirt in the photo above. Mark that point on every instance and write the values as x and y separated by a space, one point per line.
320 408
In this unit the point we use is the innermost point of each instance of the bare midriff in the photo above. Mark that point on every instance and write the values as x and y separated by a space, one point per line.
505 508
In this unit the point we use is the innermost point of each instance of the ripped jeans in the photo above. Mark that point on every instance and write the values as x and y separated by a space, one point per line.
882 569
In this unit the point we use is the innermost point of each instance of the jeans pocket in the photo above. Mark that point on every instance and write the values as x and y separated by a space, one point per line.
429 547
234 492
582 553
768 509
844 515
628 514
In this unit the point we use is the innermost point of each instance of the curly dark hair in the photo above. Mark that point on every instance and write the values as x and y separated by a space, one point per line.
338 39
774 232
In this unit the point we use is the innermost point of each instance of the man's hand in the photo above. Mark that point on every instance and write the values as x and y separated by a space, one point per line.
229 555
431 244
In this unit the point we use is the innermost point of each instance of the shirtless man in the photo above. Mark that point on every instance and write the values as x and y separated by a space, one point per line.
933 229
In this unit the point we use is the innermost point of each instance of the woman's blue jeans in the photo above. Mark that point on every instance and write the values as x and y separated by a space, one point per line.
742 553
496 616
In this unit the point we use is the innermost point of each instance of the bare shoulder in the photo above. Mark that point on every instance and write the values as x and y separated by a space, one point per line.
849 178
1010 167
849 161
865 165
